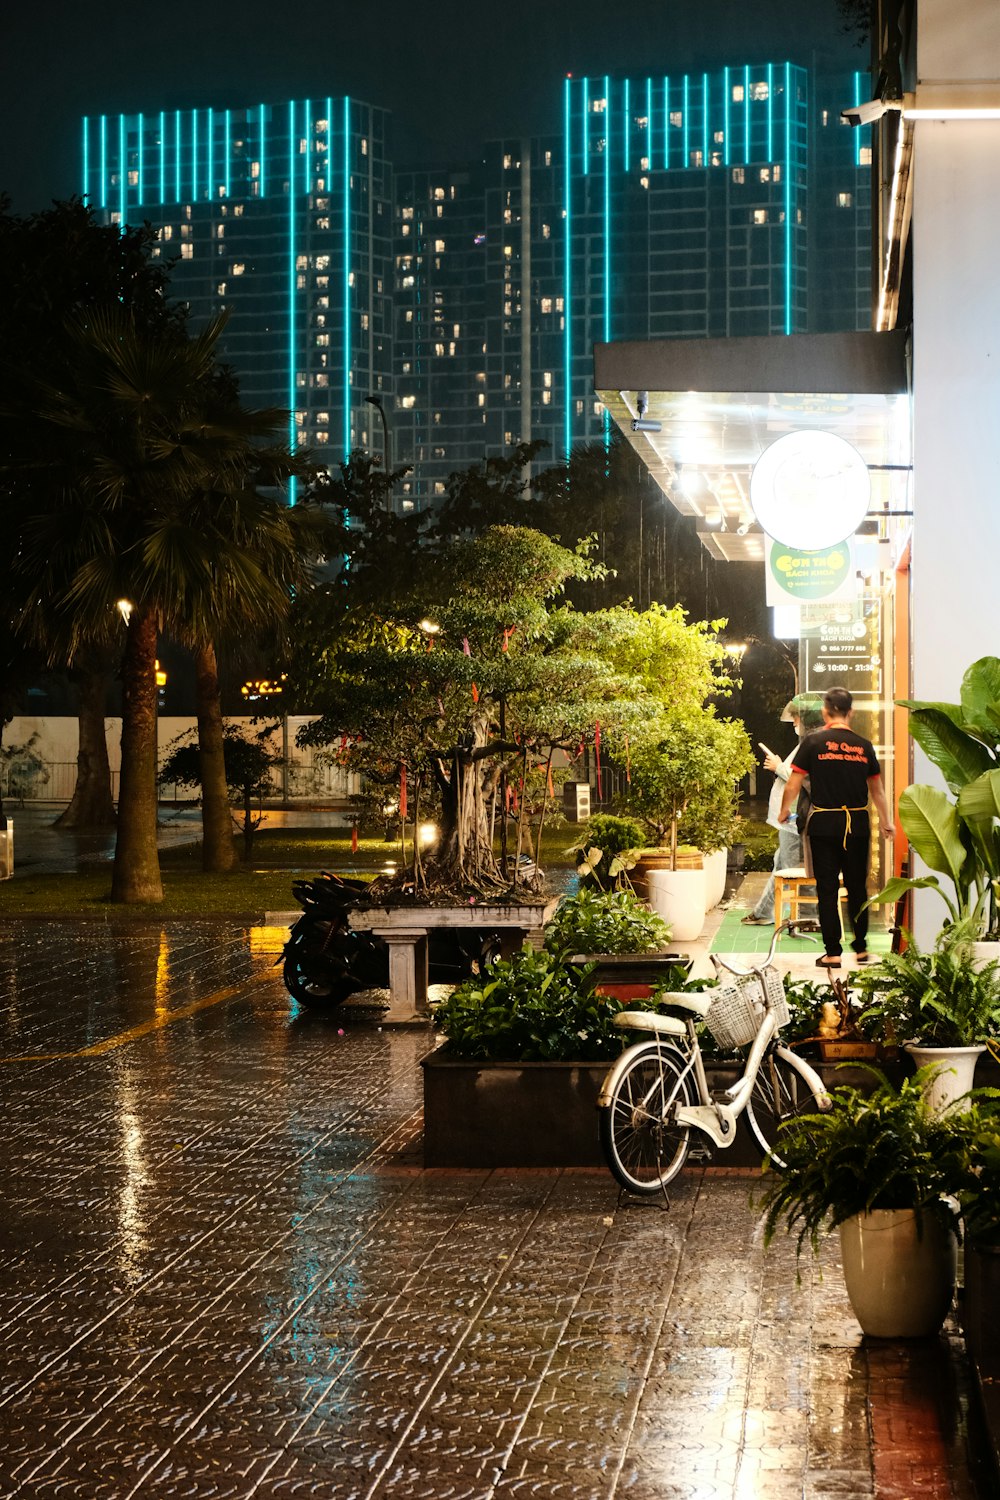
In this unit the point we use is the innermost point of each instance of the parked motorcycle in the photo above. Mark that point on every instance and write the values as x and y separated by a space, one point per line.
325 960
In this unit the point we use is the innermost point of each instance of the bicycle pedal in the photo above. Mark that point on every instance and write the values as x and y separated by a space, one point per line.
699 1153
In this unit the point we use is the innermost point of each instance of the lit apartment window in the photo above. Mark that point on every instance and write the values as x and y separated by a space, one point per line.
408 402
439 486
407 367
481 398
579 408
350 276
737 93
844 200
185 231
546 231
825 117
364 322
439 210
408 281
559 304
644 163
759 216
481 377
508 162
439 351
322 382
255 169
719 137
364 145
439 195
407 213
439 247
238 268
300 282
220 290
548 158
437 419
187 252
220 231
676 118
598 408
323 418
599 106
408 315
237 210
865 156
167 232
508 216
759 91
406 228
546 398
133 179
300 418
642 121
506 382
547 379
451 350
322 341
456 330
697 160
644 182
507 252
323 223
739 175
322 437
322 281
322 302
546 304
765 174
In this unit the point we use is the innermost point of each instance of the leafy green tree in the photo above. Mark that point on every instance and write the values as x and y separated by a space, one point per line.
54 267
149 493
249 765
494 492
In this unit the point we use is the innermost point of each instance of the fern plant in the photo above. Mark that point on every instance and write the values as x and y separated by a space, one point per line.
881 1150
935 997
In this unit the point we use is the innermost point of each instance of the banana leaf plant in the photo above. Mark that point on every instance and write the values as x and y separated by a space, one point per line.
958 836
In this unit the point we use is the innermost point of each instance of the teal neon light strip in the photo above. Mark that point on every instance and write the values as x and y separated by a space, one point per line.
857 133
163 157
649 122
177 155
228 152
567 271
770 113
194 156
725 117
607 211
788 198
138 195
746 117
585 117
307 160
211 156
329 145
704 119
122 170
666 122
347 277
628 128
687 134
263 152
292 279
104 161
86 159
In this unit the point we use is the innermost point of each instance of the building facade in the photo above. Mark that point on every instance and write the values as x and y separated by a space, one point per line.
469 301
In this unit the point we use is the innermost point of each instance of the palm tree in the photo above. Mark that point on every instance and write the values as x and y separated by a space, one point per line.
147 495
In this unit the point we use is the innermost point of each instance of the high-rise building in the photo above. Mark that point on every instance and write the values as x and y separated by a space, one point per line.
691 205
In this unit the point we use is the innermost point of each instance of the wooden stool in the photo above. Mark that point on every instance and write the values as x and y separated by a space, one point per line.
789 886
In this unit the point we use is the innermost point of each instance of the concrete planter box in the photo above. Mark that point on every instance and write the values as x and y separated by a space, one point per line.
529 1114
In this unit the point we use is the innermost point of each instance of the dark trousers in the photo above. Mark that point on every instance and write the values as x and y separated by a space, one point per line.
831 858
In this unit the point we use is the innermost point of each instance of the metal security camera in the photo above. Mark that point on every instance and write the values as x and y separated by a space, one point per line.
646 424
868 114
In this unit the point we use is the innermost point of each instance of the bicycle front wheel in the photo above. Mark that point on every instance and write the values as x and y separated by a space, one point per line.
781 1091
644 1148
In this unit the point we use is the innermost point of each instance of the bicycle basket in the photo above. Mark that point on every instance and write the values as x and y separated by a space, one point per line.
734 1014
774 989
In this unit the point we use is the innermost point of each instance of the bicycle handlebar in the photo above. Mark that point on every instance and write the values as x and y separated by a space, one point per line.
794 928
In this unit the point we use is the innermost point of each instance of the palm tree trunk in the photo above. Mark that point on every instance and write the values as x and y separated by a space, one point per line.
136 874
218 852
92 805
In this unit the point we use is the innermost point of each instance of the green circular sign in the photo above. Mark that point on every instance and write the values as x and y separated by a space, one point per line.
810 575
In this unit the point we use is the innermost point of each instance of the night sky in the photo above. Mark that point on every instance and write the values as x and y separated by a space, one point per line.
453 72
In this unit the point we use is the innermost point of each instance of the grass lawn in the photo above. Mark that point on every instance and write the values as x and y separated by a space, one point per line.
279 857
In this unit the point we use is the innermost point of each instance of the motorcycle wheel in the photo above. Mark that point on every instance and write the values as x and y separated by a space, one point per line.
313 976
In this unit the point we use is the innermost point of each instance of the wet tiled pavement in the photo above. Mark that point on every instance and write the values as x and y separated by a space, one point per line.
224 1273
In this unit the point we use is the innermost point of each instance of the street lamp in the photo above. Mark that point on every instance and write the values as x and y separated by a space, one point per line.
376 401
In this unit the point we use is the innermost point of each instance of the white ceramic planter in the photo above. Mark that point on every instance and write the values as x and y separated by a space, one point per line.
679 897
956 1068
985 953
900 1283
715 878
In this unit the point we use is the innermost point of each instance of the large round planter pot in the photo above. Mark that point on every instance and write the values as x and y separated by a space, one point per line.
715 877
900 1283
956 1068
984 953
649 860
679 897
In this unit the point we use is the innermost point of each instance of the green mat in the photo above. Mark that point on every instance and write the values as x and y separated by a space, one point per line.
733 937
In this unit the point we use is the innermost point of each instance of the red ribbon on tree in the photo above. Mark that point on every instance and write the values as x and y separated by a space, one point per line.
466 649
354 839
506 638
551 788
475 693
402 791
597 758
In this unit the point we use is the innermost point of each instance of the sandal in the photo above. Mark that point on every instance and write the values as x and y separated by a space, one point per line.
862 958
828 961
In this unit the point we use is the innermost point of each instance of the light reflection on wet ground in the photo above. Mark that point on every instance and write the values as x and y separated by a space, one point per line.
223 1273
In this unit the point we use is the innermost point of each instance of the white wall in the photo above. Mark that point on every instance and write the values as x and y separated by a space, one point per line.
956 366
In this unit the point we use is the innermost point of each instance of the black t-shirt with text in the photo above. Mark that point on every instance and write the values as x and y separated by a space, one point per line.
839 764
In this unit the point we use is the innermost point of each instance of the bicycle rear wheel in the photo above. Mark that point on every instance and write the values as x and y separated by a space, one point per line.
644 1148
781 1091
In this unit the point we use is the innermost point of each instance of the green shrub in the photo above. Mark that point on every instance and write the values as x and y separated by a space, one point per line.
603 841
530 1008
613 922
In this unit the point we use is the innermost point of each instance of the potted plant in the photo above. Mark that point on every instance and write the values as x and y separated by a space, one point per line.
605 851
979 1198
616 936
684 773
958 836
939 1004
880 1167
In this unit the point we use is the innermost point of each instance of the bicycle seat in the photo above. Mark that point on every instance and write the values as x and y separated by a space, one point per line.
699 1002
648 1020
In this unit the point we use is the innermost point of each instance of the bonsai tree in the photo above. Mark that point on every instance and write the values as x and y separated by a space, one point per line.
958 836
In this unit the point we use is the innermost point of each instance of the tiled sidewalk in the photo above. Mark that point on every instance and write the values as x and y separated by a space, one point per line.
224 1273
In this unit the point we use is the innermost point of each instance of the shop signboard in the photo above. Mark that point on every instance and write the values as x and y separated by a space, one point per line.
810 489
795 577
839 647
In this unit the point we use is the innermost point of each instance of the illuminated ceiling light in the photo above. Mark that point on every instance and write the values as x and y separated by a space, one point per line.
692 482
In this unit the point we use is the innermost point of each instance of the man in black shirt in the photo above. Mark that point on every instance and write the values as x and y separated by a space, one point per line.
842 770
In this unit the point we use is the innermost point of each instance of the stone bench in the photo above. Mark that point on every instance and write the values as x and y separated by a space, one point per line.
404 929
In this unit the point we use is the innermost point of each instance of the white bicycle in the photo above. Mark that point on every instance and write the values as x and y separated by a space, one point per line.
657 1092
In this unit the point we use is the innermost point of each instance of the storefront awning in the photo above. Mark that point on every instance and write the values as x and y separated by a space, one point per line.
719 403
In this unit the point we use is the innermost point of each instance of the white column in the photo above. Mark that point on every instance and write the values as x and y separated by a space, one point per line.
956 366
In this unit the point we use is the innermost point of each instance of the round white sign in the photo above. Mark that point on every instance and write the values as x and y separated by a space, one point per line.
810 490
